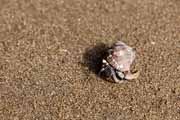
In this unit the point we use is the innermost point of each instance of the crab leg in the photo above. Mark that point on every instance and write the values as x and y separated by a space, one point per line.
130 76
114 76
103 69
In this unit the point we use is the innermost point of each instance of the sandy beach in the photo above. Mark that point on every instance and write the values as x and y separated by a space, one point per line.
51 51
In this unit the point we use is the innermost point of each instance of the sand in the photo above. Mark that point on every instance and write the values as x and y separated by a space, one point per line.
51 50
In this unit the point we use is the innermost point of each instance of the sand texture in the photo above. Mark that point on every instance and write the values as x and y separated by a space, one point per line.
51 50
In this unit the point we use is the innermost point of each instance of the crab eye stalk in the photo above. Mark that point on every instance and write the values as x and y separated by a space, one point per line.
104 62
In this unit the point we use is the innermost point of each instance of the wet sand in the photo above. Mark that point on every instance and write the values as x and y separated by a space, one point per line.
51 52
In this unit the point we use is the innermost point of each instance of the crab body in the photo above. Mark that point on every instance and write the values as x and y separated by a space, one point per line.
118 62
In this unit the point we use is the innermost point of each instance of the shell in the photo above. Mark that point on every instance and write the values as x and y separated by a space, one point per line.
121 56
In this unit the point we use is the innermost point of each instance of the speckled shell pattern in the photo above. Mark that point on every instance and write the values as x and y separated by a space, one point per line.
121 56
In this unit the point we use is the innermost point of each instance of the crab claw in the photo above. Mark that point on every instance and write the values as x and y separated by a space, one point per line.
130 76
105 64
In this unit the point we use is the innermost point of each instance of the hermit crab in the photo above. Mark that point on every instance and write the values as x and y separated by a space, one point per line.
118 61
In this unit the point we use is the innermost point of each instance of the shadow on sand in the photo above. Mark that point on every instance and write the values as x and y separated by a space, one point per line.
92 58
